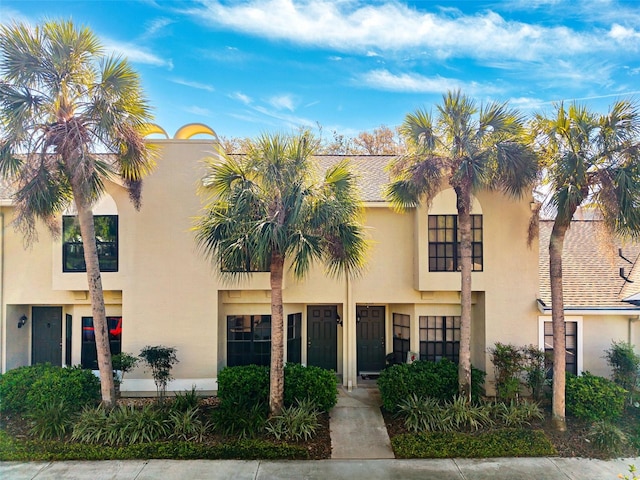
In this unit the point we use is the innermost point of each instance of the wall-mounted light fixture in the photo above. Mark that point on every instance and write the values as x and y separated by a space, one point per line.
338 320
22 320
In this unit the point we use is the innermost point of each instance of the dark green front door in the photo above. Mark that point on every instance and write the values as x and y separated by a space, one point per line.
46 343
370 339
322 336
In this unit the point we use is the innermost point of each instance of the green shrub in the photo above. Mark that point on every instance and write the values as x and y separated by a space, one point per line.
91 425
295 422
508 363
50 421
74 386
313 383
594 398
185 401
535 370
624 362
186 425
607 437
123 425
15 385
501 443
422 414
516 414
27 389
425 379
160 360
250 383
247 383
243 419
461 415
30 450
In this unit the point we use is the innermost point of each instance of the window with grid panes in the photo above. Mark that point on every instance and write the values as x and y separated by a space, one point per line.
248 340
401 329
444 243
571 342
439 338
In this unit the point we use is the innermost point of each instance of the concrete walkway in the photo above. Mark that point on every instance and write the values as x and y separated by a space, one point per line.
357 426
453 469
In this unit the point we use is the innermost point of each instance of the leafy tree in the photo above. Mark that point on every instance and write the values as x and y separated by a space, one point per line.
382 141
160 360
71 119
268 208
471 149
592 160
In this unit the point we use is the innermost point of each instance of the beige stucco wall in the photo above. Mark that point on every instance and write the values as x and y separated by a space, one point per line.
169 294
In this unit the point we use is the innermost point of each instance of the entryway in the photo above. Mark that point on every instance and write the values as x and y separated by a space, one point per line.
322 336
46 335
370 338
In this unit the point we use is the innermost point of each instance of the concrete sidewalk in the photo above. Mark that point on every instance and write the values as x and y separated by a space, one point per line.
453 469
357 427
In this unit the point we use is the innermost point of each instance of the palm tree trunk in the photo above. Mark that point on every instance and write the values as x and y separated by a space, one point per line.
464 226
96 294
276 378
556 245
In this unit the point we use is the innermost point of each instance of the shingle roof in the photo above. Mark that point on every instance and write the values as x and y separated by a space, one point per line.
590 270
372 175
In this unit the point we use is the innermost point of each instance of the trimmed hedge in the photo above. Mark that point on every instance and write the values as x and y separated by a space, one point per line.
425 379
249 384
313 383
501 443
594 398
27 389
30 450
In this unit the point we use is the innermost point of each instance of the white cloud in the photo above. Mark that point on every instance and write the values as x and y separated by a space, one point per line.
359 26
623 34
283 102
188 83
241 97
136 54
155 27
415 83
195 110
10 16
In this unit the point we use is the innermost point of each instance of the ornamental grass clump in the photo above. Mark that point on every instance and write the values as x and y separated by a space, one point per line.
296 422
422 414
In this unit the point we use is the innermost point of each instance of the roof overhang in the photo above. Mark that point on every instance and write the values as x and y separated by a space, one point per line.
633 299
572 310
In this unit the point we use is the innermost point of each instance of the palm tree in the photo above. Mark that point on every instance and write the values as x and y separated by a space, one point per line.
588 159
267 209
70 119
472 149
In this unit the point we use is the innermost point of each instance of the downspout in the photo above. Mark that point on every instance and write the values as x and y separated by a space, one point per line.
632 320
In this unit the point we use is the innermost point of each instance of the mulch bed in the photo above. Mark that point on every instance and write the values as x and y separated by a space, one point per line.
319 447
571 443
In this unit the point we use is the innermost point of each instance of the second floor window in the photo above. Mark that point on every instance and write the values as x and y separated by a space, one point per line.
106 241
444 243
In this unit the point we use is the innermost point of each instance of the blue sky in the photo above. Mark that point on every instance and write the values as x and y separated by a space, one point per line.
248 67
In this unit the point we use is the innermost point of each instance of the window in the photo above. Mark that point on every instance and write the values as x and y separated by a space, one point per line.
89 355
444 243
248 340
571 341
439 338
294 338
106 241
401 329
